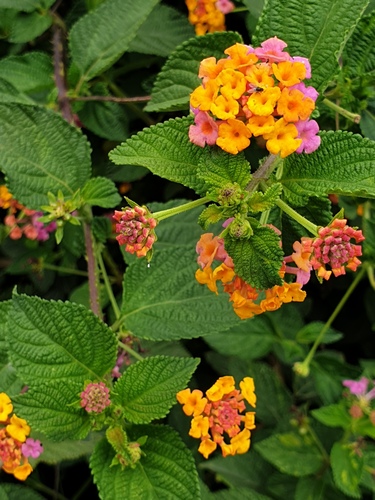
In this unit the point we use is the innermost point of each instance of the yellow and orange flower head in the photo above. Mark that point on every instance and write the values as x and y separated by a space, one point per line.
222 421
208 16
256 91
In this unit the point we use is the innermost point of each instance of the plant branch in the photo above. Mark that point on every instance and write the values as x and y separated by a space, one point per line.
130 351
59 74
170 212
312 228
92 270
108 287
263 172
354 117
110 98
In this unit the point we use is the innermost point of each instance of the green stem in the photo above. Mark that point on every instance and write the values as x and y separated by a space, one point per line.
318 444
263 172
61 269
303 367
164 214
371 277
312 228
130 351
92 270
133 107
108 287
354 117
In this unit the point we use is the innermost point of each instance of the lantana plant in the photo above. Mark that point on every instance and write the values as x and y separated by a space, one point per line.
247 160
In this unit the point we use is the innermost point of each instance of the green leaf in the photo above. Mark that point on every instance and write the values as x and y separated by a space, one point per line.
217 169
29 73
53 409
165 302
58 341
316 488
164 149
27 27
367 478
9 382
336 415
166 469
367 123
150 39
250 339
291 453
310 332
100 37
316 29
53 452
259 202
41 152
147 389
258 259
343 164
179 76
17 491
26 5
9 93
347 468
101 192
236 493
4 309
359 53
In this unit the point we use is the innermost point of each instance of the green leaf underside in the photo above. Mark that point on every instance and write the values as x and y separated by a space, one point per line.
31 72
94 47
179 76
258 259
217 169
347 469
316 29
150 39
291 454
165 302
343 164
164 149
58 341
166 470
41 152
102 192
53 409
148 389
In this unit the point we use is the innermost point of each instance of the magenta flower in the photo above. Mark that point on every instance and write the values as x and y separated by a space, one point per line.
43 230
205 130
271 50
307 131
32 448
306 91
95 397
225 6
359 387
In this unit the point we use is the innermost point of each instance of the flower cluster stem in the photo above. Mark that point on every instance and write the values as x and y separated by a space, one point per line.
312 228
164 214
92 270
130 351
108 286
354 117
264 171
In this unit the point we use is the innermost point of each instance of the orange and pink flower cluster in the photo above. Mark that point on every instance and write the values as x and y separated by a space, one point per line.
247 301
15 445
220 413
208 16
255 92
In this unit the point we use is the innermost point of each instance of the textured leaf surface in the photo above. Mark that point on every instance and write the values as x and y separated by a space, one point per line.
165 149
9 93
179 77
28 26
359 54
150 39
258 259
333 416
58 341
343 164
367 122
347 468
102 192
316 29
166 470
100 37
147 389
29 73
41 152
165 302
16 491
53 409
291 454
26 5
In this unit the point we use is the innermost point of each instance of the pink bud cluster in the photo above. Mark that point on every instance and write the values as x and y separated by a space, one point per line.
95 397
135 228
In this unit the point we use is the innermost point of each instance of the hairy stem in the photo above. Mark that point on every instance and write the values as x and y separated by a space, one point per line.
312 228
263 172
92 270
108 287
111 98
164 214
59 73
354 117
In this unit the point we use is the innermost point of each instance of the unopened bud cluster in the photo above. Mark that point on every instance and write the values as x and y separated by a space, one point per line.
95 397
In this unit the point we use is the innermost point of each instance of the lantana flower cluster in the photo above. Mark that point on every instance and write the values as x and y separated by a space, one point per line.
23 221
15 445
218 417
333 247
208 16
135 228
95 397
255 92
362 392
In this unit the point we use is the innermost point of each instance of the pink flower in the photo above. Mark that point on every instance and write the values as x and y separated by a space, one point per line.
307 131
359 387
306 91
205 130
225 6
32 448
271 50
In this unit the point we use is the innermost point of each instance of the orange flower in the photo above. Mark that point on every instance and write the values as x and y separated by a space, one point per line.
193 402
233 136
203 96
259 125
233 83
294 106
240 57
260 76
282 139
206 277
289 73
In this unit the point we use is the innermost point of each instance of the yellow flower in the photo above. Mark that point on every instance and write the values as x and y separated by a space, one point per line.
294 106
5 197
193 402
250 420
247 389
223 385
206 277
283 139
241 443
259 76
6 407
224 273
206 447
199 427
18 429
225 107
289 73
22 471
233 136
239 56
233 83
259 125
263 103
203 97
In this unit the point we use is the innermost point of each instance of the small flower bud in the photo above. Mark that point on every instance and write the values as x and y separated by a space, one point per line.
95 397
